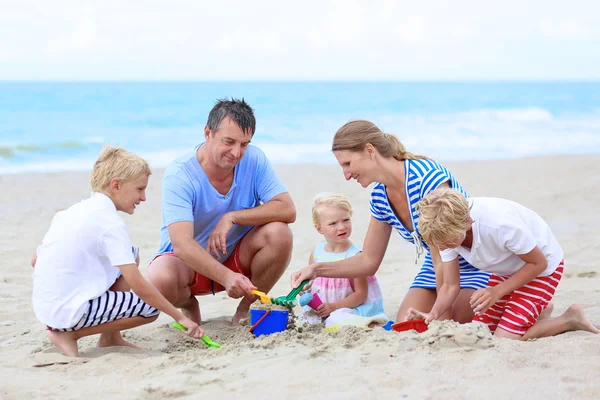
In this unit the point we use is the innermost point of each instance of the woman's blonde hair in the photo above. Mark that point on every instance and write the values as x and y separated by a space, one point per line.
443 215
114 162
354 136
329 200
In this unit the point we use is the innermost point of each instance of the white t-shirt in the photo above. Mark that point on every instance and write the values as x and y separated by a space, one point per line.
78 260
502 229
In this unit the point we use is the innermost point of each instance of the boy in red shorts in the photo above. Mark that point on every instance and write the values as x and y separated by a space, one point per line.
513 243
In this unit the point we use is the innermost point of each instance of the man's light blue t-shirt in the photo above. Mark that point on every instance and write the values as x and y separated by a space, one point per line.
187 195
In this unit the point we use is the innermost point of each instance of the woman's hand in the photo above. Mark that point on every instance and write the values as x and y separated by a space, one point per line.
305 273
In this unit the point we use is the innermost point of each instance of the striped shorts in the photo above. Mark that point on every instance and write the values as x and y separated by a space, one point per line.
470 277
112 306
518 311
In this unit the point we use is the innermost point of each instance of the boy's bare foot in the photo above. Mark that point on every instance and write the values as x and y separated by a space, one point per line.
65 341
577 318
547 313
115 339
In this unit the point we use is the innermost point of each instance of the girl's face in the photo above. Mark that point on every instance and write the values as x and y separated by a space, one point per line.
335 224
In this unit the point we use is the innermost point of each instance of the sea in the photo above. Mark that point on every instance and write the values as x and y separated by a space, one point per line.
60 126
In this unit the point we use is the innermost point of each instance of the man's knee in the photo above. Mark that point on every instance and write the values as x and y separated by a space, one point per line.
278 234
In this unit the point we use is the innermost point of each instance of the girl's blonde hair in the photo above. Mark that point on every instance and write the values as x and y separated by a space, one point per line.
354 136
329 200
443 215
114 162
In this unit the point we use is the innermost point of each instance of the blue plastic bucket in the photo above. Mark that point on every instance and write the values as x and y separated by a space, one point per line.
276 321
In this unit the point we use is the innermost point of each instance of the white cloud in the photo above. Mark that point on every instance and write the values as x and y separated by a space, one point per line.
564 29
314 39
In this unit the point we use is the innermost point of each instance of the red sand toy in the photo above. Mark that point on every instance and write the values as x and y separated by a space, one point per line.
418 325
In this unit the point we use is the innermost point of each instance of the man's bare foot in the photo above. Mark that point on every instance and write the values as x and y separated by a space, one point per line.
242 310
578 320
65 341
547 312
114 339
191 309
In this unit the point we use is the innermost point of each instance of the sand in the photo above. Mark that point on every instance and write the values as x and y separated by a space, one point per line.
448 361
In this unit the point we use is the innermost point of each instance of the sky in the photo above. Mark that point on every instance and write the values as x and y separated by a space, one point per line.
304 40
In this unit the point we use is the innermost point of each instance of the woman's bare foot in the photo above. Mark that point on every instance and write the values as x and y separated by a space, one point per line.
114 339
65 341
577 319
547 312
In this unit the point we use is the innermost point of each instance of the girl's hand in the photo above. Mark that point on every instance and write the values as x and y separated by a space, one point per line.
192 328
325 309
483 299
416 314
302 275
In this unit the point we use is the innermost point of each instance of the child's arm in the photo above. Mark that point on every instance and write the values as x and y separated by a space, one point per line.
34 259
361 287
447 291
150 295
535 264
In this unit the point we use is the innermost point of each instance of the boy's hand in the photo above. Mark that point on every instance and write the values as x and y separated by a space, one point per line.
325 309
302 275
192 328
416 314
237 285
483 299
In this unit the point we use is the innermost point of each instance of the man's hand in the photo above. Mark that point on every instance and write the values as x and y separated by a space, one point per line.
416 314
302 275
483 299
325 309
237 285
192 328
217 241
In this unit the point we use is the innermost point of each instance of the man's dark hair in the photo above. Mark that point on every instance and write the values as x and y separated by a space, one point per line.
238 110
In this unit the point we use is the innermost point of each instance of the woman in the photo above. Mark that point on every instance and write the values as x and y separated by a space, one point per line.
368 155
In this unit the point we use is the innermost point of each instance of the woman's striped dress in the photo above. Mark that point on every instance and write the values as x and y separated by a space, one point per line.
421 177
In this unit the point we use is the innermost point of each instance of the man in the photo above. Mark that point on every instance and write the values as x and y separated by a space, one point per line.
224 217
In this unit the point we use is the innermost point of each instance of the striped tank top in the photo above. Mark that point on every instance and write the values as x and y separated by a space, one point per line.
421 177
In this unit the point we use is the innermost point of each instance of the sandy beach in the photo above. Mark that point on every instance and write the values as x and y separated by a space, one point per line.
448 361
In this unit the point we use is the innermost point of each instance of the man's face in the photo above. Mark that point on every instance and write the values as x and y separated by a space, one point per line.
227 144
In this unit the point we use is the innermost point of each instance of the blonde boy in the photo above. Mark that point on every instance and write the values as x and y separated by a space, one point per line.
86 278
515 245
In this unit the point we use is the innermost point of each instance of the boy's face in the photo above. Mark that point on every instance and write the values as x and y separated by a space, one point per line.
127 195
335 224
452 243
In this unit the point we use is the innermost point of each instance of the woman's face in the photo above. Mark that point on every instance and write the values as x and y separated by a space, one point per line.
356 165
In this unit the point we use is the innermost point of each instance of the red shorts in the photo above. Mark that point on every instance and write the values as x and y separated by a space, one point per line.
518 311
201 285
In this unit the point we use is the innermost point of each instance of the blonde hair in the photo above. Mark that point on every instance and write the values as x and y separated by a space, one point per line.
329 200
354 136
443 215
114 162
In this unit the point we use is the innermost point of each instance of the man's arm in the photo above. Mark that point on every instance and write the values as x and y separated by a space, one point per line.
198 259
280 208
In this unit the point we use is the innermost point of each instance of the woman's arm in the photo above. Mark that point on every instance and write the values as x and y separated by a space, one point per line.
363 264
